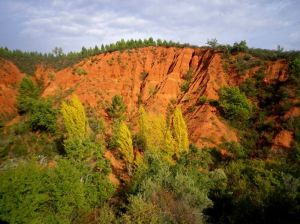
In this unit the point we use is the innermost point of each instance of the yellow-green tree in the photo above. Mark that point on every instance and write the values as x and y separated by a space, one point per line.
124 143
180 132
155 135
75 118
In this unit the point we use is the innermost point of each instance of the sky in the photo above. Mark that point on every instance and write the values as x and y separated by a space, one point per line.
41 25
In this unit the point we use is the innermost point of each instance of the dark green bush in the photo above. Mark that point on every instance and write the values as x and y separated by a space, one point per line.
202 100
80 71
235 149
234 104
256 193
239 47
185 86
294 74
43 116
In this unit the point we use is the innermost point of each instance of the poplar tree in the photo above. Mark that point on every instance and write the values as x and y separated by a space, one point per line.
155 135
75 118
124 142
180 132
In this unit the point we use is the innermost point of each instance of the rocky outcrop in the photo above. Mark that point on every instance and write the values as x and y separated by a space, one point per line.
153 77
10 77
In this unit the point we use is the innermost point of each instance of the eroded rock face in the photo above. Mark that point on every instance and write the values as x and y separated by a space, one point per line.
10 76
152 77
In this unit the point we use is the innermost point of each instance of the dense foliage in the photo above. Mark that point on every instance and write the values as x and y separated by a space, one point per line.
234 104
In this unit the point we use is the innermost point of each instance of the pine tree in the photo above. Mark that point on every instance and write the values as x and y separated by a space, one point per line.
180 132
118 108
28 92
75 118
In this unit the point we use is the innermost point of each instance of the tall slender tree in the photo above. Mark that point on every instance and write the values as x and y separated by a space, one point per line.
75 118
180 132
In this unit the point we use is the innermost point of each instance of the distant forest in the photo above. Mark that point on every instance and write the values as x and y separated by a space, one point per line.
27 61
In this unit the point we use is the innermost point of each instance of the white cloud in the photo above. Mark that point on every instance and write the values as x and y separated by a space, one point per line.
97 21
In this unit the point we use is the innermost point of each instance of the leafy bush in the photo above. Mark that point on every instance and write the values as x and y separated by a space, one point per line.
202 100
187 80
43 116
239 47
31 193
234 104
185 86
168 195
80 71
235 149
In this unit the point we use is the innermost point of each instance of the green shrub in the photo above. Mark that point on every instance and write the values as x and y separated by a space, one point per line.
294 74
31 193
43 116
202 100
97 125
168 195
236 150
187 80
213 43
240 47
80 71
81 149
241 66
234 104
21 128
185 86
213 102
188 75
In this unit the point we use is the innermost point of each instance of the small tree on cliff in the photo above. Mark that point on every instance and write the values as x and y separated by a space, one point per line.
180 132
75 118
117 108
28 92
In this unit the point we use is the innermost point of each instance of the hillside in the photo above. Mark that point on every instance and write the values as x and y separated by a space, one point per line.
153 77
150 132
